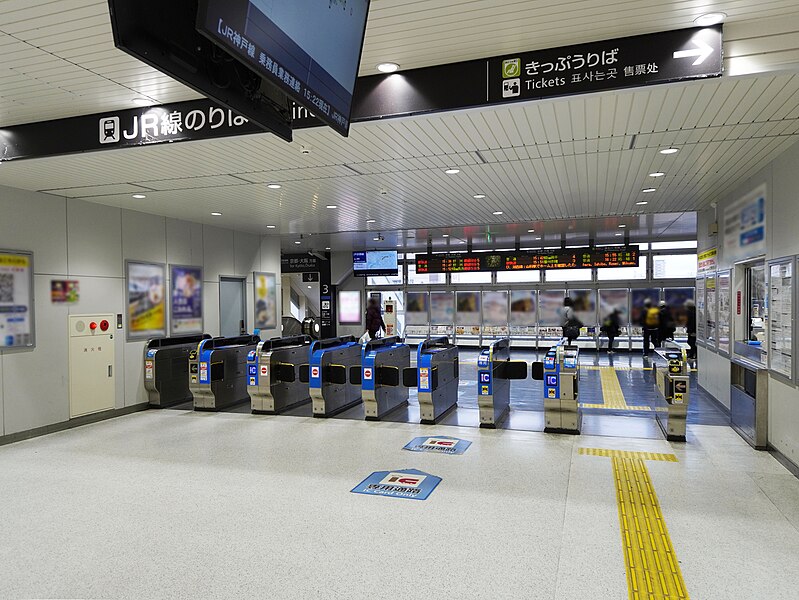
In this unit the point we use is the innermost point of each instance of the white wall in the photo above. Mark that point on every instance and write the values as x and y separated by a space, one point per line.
341 276
89 242
782 215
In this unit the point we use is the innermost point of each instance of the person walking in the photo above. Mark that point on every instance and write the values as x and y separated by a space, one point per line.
650 320
690 308
569 322
374 318
666 326
612 327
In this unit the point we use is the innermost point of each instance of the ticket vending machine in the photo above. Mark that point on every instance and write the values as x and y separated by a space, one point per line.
672 383
560 372
495 370
332 389
166 369
437 378
218 371
273 374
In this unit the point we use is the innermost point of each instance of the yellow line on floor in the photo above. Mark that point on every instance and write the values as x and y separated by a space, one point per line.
612 394
653 571
605 407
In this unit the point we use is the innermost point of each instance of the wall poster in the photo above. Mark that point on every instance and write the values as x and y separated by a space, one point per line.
495 309
186 300
16 300
781 318
700 311
416 308
265 300
584 305
350 311
468 304
724 301
711 334
610 300
550 306
64 291
523 308
745 226
146 300
442 308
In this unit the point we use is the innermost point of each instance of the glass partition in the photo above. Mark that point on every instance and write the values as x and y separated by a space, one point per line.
610 300
468 304
470 278
623 273
518 276
523 313
442 308
584 305
674 266
416 308
675 299
638 296
495 309
569 274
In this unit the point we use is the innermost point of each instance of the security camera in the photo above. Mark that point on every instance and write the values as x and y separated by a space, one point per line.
383 192
305 150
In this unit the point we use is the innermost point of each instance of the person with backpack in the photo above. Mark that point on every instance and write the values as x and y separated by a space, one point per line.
650 320
374 318
666 327
569 321
611 327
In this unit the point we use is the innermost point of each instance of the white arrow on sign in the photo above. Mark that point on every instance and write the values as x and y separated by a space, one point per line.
702 51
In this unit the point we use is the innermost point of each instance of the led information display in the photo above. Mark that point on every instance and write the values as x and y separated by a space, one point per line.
572 258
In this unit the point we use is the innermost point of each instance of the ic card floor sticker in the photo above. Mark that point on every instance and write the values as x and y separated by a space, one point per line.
441 444
408 483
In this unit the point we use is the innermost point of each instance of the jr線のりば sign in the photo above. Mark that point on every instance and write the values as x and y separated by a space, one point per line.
408 483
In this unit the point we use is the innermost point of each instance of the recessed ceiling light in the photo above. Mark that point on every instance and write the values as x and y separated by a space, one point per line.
274 186
622 226
531 231
670 151
649 190
642 203
328 248
462 241
216 214
370 221
142 101
331 206
452 171
446 235
709 19
399 245
139 196
298 242
479 196
619 234
388 67
657 174
496 213
538 238
310 287
271 226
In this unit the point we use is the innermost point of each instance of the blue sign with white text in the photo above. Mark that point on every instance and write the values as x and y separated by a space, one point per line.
408 483
439 444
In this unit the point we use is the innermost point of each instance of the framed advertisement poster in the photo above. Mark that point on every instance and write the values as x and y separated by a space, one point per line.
186 299
146 285
711 333
724 301
700 311
781 290
16 300
350 310
265 289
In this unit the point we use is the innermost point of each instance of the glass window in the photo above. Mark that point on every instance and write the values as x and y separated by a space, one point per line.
386 279
674 245
468 308
674 266
623 273
568 274
518 276
416 308
495 308
471 278
442 308
427 279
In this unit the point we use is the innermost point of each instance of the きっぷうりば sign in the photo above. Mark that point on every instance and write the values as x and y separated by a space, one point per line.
409 484
438 445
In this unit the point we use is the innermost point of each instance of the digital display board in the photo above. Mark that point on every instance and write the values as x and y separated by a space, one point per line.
374 263
571 258
311 49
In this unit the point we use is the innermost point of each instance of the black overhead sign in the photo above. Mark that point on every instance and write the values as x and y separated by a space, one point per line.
624 62
300 263
613 64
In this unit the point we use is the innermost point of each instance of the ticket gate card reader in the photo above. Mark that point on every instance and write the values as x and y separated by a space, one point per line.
560 372
382 367
495 370
273 380
218 371
673 392
330 361
166 369
437 378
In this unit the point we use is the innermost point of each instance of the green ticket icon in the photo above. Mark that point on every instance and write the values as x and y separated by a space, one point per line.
511 68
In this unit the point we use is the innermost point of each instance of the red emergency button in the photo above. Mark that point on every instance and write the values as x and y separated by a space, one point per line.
104 325
92 325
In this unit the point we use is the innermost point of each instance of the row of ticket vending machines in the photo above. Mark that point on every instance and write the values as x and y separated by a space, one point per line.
337 374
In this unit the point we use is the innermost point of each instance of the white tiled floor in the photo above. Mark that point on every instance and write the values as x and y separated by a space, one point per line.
176 504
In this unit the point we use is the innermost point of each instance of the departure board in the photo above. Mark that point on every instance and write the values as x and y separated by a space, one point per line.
570 258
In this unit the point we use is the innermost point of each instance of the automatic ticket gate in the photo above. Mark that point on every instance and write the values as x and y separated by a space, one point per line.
674 392
437 378
495 370
166 369
273 374
560 373
218 371
383 366
332 390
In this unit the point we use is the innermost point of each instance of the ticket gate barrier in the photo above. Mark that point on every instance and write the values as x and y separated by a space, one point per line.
383 365
273 374
495 370
332 389
673 392
166 369
560 373
218 371
437 378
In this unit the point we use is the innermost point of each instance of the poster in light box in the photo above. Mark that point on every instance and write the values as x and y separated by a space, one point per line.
146 300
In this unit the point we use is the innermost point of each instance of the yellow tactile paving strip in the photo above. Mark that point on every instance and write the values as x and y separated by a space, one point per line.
653 571
612 393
